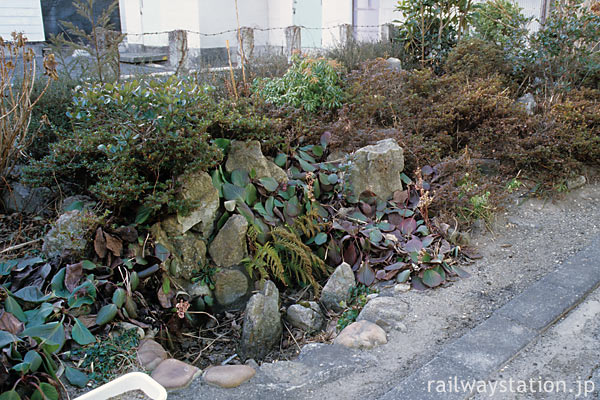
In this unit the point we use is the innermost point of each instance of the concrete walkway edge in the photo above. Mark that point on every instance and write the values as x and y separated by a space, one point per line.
490 345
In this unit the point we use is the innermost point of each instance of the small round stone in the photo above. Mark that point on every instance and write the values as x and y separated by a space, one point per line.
228 376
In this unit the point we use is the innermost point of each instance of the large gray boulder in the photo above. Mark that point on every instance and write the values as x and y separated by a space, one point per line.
376 168
387 312
69 234
337 288
248 156
231 288
25 199
262 324
306 316
229 246
198 188
188 250
528 102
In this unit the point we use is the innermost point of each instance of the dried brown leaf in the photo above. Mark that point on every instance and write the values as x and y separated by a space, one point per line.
100 243
114 244
73 275
10 323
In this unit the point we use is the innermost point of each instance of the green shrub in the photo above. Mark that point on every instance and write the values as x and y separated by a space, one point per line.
430 28
131 141
564 53
54 106
310 84
502 23
477 58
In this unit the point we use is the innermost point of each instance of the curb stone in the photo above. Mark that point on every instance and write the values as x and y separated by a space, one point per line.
487 347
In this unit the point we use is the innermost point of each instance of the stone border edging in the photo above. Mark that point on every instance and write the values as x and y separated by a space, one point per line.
490 345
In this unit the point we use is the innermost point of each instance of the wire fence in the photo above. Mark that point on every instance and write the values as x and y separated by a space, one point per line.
212 47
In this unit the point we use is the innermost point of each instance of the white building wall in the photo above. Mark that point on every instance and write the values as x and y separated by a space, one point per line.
335 13
22 16
280 14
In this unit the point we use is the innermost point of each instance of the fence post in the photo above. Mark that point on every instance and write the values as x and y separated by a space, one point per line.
178 50
387 32
346 34
246 42
293 40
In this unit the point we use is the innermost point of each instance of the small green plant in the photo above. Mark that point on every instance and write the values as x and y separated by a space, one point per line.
358 300
513 185
110 357
310 84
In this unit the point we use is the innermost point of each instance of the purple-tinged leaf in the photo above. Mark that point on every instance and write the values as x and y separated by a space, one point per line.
445 247
417 283
350 254
408 226
427 240
380 275
413 246
395 266
427 170
325 139
365 274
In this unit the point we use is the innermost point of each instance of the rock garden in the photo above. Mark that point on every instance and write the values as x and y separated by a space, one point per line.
207 224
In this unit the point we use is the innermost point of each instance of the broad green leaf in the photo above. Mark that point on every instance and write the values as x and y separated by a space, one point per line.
317 150
134 280
34 359
38 316
166 286
403 276
76 205
27 262
405 179
81 334
106 314
250 194
431 278
233 192
10 395
223 144
7 266
118 297
7 338
76 377
77 298
217 181
15 309
87 264
281 160
375 236
269 205
22 367
269 183
48 390
240 178
51 334
142 214
320 238
58 284
306 166
32 294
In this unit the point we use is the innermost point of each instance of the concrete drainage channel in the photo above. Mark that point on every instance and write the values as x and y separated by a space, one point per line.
484 350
